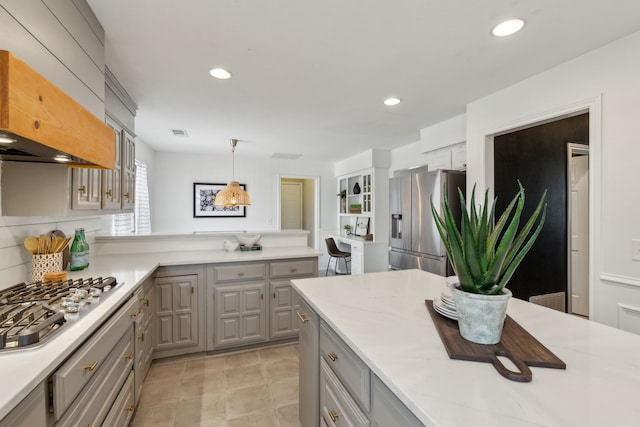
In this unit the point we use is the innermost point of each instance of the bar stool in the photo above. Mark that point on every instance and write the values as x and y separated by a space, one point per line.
336 253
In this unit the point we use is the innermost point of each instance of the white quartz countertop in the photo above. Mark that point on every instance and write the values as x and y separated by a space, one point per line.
22 370
383 317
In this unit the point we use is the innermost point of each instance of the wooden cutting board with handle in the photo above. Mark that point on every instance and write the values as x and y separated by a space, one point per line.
516 344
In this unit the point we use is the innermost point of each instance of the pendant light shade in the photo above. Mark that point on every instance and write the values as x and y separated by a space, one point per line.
232 194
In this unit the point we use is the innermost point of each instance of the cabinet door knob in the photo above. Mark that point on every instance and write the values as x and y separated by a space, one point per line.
83 189
333 356
108 193
303 317
334 416
141 337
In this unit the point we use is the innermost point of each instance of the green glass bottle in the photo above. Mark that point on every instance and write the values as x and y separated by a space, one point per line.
76 253
85 247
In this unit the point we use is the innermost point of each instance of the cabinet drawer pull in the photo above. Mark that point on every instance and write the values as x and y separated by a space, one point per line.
303 317
108 193
130 408
293 270
240 274
128 356
333 356
145 301
127 196
134 315
141 338
92 366
334 416
83 189
274 295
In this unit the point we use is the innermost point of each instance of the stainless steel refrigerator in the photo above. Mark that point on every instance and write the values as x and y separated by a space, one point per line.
414 239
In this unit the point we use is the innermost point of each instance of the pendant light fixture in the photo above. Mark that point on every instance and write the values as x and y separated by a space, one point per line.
232 194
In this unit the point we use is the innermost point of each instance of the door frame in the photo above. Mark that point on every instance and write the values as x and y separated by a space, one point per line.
593 106
316 198
578 149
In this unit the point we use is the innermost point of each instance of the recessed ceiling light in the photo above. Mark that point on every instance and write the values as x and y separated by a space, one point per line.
391 101
62 158
220 73
6 140
508 27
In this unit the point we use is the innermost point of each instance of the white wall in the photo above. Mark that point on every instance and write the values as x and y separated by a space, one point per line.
175 173
612 73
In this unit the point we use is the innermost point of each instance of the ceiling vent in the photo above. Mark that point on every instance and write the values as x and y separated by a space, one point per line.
179 132
288 156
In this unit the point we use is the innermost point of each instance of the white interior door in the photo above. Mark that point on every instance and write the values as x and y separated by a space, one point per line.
579 211
291 205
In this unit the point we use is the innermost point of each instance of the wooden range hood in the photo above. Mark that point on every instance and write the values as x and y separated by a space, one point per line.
44 121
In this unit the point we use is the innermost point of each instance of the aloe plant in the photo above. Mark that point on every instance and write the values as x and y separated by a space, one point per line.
485 253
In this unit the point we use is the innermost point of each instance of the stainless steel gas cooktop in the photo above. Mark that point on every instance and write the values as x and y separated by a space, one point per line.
32 312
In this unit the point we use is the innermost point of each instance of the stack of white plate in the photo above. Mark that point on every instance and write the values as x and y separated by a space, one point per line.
445 305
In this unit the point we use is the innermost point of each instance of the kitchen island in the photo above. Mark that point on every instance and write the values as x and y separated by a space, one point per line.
383 320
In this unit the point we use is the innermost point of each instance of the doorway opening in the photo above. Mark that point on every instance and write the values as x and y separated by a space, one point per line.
537 156
299 205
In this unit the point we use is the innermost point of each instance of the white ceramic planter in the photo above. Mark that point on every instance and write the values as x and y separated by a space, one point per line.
481 317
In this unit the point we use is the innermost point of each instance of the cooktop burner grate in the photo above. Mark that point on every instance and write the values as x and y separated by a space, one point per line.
31 312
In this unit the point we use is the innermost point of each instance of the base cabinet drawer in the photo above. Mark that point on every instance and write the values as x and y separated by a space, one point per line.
88 361
122 410
95 401
293 268
32 411
336 405
351 371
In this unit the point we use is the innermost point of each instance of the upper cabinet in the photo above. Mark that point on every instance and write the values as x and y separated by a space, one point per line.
453 157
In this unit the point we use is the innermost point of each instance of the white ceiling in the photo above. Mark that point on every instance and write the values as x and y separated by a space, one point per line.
309 77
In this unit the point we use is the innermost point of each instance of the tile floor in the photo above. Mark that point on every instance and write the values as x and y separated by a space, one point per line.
255 388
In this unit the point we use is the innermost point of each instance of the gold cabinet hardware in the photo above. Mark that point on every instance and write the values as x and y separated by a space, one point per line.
293 270
83 189
192 290
128 356
134 315
274 295
262 296
240 274
108 193
145 301
130 408
90 425
333 356
303 317
92 366
141 337
334 416
126 196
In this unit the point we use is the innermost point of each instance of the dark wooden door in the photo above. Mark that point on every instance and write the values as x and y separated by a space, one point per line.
537 156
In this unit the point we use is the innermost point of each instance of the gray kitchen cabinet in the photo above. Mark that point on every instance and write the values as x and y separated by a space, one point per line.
387 409
112 179
33 411
86 189
309 366
87 384
178 310
240 314
283 321
176 315
143 331
128 171
337 387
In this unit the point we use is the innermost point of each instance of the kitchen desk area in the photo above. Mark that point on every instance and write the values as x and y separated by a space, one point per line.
367 256
383 331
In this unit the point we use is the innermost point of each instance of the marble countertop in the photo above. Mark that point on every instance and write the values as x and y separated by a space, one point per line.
22 370
383 318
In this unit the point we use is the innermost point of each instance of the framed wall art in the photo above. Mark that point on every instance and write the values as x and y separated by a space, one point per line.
204 195
362 226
